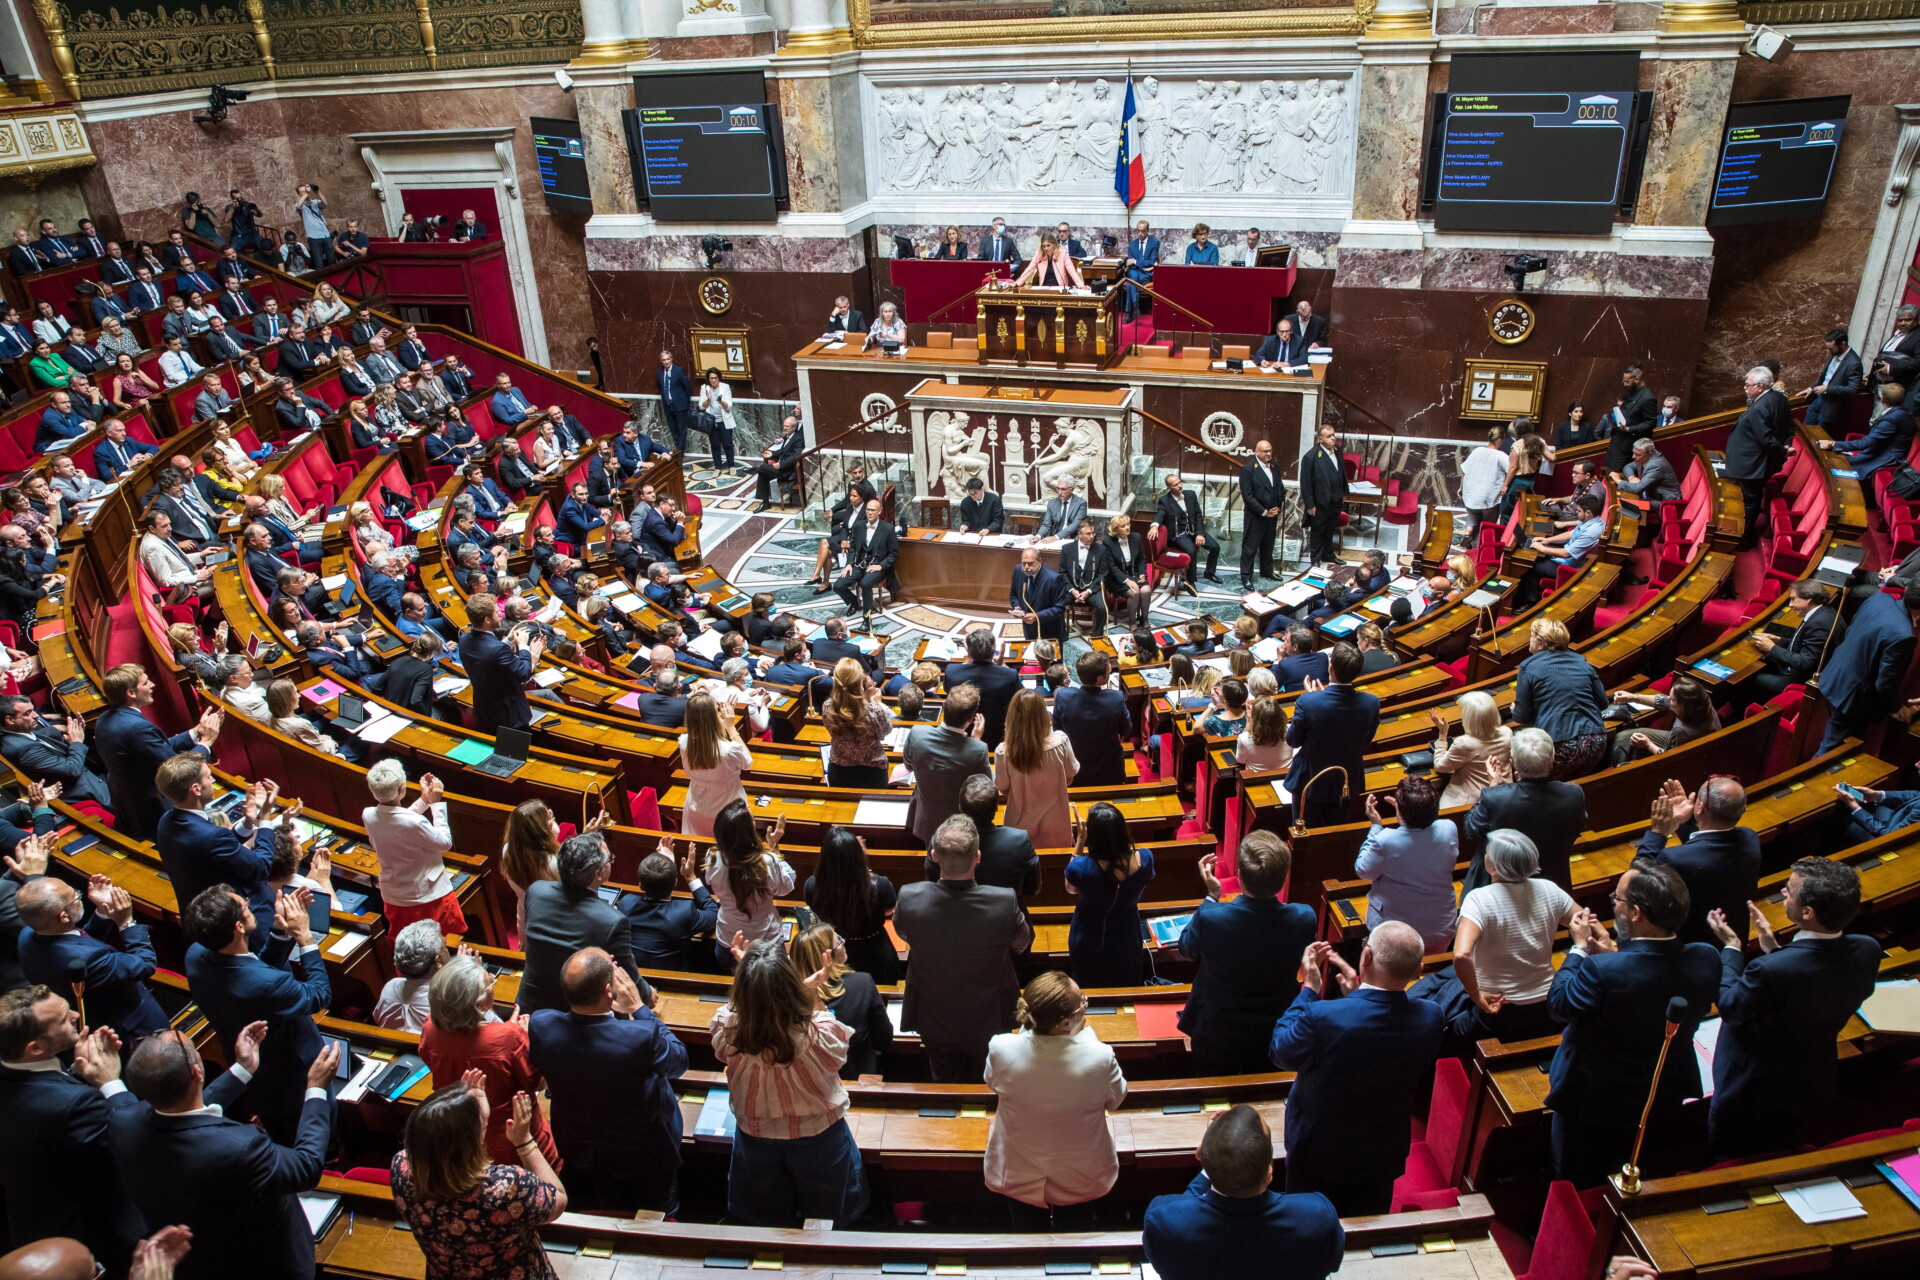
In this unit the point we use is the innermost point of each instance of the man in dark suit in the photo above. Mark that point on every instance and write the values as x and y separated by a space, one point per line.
47 752
144 293
567 914
1632 418
296 411
1613 999
660 529
1886 442
1084 567
577 518
1143 252
499 669
1260 496
1840 380
1323 494
1863 680
874 545
997 681
1231 1222
676 399
235 302
60 1174
1361 1061
1300 661
610 1064
845 318
234 987
981 511
16 340
1248 956
1549 813
1717 857
114 267
23 259
634 449
1308 325
662 927
942 757
1286 348
185 1163
60 423
778 461
1178 512
793 668
1331 726
342 658
965 936
1782 1012
1097 723
132 749
834 645
1007 856
114 954
1038 597
1796 659
998 246
1749 452
223 344
664 705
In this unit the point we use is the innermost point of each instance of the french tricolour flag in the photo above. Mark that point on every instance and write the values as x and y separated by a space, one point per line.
1129 166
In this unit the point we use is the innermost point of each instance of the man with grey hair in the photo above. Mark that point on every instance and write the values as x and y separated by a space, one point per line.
1750 449
966 937
419 952
1649 476
1551 814
664 705
1717 857
1361 1060
625 551
567 914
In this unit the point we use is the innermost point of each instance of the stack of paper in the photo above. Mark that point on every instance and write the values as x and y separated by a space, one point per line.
706 644
546 677
880 813
627 602
1894 1006
381 727
1821 1200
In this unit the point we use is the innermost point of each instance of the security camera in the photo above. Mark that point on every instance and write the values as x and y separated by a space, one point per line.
561 78
1768 44
219 98
712 246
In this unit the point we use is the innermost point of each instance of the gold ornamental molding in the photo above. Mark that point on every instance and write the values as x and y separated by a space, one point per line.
109 48
36 143
1782 12
1195 21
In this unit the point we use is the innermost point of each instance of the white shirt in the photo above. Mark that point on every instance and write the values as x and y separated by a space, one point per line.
177 367
165 563
1483 478
711 790
1050 1143
409 845
764 924
1514 956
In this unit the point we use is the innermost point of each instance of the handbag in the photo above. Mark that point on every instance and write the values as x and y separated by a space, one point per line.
1417 762
1905 482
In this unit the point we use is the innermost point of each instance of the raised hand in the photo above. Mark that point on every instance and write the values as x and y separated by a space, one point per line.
1717 921
1209 880
1762 931
1343 973
323 1067
100 892
246 1045
626 993
1311 963
520 1123
1681 799
738 946
96 1057
155 1257
29 858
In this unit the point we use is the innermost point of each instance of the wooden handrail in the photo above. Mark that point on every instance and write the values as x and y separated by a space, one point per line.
1148 290
1231 461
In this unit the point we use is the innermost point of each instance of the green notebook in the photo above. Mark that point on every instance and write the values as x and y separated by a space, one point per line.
470 752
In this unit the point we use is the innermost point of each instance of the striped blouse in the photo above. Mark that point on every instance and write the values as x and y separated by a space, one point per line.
797 1099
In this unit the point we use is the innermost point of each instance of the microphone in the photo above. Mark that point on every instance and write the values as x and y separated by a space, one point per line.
1628 1179
77 979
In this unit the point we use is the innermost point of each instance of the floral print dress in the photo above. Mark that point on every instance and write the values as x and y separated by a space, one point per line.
488 1234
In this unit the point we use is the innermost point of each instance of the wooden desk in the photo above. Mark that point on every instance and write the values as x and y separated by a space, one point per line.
935 568
1032 325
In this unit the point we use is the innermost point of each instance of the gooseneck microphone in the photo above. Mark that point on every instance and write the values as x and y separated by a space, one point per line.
1628 1179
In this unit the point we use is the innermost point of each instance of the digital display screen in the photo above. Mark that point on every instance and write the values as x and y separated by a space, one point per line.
563 164
1534 142
707 163
1776 160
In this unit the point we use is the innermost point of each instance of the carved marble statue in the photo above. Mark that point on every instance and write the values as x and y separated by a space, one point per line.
1078 451
954 452
1274 137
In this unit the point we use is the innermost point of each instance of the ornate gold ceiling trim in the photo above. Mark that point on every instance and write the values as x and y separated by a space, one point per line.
1338 21
1782 12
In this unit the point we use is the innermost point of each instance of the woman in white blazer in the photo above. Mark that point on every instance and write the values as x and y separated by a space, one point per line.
716 400
1050 1147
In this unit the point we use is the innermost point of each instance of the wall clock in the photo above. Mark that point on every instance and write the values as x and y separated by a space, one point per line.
1510 322
715 295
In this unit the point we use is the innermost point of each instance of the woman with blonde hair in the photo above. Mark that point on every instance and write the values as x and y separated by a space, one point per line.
274 489
1050 1147
1033 766
1479 757
715 760
1262 683
850 996
1558 690
1051 267
470 1215
373 537
184 639
1240 663
386 411
1458 579
793 1155
1128 561
283 710
857 727
363 429
952 245
1246 631
327 306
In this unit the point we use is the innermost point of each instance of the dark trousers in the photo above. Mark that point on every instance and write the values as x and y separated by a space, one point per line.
865 581
765 473
1045 629
1323 535
676 424
955 1066
1256 546
781 1182
1839 729
320 249
1352 1199
719 442
1183 543
864 777
1585 1154
1753 493
1097 601
601 1191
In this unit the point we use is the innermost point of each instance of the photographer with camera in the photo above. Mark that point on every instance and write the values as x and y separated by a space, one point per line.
243 223
313 224
197 218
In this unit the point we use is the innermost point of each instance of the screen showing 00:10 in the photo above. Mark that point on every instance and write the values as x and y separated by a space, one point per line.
1532 149
705 152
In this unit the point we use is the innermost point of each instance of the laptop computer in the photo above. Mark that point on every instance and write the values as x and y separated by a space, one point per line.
509 752
352 713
